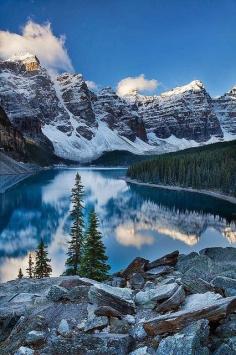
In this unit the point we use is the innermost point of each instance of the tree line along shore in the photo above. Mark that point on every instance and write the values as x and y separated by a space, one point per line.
212 167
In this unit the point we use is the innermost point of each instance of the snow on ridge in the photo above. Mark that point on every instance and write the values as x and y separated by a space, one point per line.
195 85
21 57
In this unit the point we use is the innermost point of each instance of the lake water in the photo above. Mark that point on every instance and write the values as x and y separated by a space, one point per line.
135 220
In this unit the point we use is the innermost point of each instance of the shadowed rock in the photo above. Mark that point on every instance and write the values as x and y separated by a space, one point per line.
138 265
117 298
108 312
214 311
173 302
169 259
190 341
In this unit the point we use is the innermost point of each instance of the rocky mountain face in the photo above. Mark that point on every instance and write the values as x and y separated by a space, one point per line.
225 109
11 139
184 112
61 114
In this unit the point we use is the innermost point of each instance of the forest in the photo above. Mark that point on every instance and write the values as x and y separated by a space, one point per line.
211 167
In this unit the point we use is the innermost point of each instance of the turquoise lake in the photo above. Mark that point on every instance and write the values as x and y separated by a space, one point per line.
135 220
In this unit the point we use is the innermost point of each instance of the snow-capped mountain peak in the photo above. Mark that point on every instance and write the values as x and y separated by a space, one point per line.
82 124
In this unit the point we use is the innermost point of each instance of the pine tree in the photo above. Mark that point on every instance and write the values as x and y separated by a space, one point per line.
77 230
94 260
20 274
42 262
30 268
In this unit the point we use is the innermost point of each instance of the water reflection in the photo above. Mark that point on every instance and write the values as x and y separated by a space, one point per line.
135 220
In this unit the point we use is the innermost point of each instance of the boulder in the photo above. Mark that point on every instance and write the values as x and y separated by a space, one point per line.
102 343
95 323
70 282
118 298
23 350
63 328
79 294
108 312
212 310
138 265
136 281
150 298
161 270
140 351
119 326
169 259
193 283
117 281
35 337
227 329
57 293
224 349
191 340
173 302
218 254
226 284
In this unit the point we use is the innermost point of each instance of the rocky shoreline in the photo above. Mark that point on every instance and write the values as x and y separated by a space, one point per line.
178 304
215 194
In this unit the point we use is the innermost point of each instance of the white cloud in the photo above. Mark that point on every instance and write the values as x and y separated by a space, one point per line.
139 83
40 41
91 85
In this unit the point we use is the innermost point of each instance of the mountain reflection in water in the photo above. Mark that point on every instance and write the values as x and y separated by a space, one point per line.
135 220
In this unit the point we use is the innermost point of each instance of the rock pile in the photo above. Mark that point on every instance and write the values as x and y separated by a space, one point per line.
178 304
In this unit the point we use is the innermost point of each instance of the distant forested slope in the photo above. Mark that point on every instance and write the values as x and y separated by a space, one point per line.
211 167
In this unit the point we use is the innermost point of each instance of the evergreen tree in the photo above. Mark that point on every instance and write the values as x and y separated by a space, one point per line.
77 230
94 260
42 262
20 274
30 268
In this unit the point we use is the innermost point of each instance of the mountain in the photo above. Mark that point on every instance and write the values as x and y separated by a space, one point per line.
60 114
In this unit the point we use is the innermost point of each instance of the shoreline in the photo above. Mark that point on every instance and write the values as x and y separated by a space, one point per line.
218 195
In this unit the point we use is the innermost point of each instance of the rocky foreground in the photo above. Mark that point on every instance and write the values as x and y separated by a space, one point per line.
178 304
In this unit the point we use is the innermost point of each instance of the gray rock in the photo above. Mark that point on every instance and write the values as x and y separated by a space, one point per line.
23 350
227 329
227 284
119 326
193 283
58 293
118 298
136 281
161 270
224 349
63 328
35 337
79 294
138 332
96 323
107 312
169 259
173 302
196 307
117 282
92 344
190 341
149 299
140 351
218 254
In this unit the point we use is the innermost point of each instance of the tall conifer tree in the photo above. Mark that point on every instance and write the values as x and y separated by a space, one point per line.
20 274
30 268
42 262
94 260
77 230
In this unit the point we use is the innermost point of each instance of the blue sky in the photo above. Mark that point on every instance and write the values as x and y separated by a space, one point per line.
172 41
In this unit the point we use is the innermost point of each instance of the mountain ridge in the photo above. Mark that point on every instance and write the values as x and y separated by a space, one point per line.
65 116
